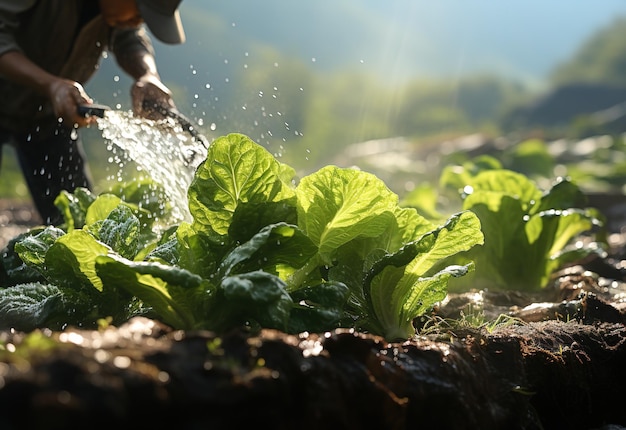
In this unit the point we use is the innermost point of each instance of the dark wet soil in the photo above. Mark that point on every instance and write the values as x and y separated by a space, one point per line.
484 360
16 216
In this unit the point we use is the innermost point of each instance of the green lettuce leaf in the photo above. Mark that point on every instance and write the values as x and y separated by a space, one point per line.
73 206
236 171
318 308
28 306
277 248
70 261
402 286
120 230
526 230
172 292
256 298
32 249
13 270
337 205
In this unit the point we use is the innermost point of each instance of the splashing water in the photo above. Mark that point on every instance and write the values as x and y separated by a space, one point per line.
160 149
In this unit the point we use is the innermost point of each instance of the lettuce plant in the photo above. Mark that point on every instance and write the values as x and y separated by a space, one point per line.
529 233
334 249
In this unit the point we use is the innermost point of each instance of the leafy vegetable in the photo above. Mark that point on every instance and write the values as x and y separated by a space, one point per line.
334 250
528 233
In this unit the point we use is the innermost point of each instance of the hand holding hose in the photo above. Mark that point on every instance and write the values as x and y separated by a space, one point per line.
66 96
151 98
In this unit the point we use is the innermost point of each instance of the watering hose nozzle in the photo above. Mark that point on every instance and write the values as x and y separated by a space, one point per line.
93 110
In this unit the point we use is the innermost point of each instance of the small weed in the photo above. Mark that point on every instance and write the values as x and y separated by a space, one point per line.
473 319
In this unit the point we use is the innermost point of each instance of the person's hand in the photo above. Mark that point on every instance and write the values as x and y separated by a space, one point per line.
151 98
66 95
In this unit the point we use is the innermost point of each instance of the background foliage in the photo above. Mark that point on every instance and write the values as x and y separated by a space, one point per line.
306 110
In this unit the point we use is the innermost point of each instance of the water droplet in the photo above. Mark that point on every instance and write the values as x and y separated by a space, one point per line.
157 148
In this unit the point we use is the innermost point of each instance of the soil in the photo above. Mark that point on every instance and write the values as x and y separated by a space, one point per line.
483 360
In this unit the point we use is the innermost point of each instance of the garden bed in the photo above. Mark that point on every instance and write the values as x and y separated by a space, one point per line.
552 360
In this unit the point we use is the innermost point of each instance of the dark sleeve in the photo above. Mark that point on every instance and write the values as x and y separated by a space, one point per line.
126 42
9 22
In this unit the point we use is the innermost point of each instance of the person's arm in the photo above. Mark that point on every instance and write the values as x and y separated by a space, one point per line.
135 55
65 95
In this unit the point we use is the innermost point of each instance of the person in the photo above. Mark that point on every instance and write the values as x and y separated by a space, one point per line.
49 49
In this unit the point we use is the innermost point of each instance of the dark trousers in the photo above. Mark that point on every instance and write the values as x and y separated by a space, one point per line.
50 164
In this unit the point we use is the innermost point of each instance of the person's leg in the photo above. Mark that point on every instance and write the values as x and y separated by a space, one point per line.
52 164
6 138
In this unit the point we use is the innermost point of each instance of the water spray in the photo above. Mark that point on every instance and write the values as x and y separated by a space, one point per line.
185 123
169 149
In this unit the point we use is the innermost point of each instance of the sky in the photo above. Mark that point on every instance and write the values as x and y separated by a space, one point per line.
406 38
525 37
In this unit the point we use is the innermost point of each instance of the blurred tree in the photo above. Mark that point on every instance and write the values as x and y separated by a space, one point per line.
428 107
447 107
484 98
602 59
